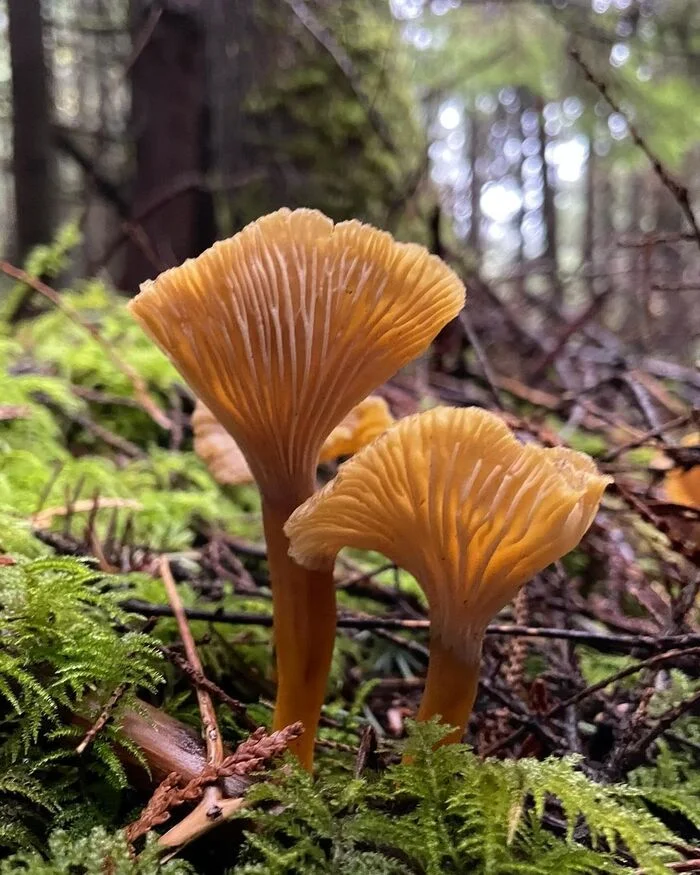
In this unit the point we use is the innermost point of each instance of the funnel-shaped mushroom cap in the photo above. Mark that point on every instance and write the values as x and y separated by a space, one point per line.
451 496
283 328
227 464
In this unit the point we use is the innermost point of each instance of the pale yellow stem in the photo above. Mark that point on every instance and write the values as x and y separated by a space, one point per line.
450 688
304 626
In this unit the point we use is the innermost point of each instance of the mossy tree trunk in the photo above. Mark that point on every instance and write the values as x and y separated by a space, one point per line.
310 108
298 103
31 126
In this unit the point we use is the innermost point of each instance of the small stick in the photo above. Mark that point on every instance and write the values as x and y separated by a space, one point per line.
679 193
648 435
633 755
197 678
102 720
475 343
213 805
212 736
43 518
601 640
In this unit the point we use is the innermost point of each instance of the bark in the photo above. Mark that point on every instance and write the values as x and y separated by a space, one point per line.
549 216
31 126
170 121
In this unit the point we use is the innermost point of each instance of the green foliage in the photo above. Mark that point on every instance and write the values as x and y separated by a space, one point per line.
672 783
73 354
60 641
447 811
97 851
43 261
67 646
37 467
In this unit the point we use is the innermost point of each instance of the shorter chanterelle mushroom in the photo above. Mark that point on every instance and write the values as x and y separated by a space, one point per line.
227 464
451 496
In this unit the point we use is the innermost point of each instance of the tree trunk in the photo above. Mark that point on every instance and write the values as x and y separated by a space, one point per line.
474 239
549 215
171 131
521 260
31 126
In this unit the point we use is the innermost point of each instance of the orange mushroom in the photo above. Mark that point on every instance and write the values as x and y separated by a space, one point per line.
681 483
281 330
227 464
451 496
365 422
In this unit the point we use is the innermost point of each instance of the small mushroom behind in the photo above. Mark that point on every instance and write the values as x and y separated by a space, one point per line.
281 330
451 496
227 464
217 449
365 422
682 482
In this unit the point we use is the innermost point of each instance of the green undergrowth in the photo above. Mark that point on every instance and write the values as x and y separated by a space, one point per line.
448 811
96 852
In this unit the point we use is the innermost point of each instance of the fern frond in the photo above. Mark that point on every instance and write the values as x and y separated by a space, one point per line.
98 851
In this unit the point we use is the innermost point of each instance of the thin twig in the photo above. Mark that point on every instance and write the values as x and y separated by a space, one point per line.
659 432
102 720
200 680
44 518
212 736
560 707
138 383
634 754
212 805
345 64
479 352
602 640
679 192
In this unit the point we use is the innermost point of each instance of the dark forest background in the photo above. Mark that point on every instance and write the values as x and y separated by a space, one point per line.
469 126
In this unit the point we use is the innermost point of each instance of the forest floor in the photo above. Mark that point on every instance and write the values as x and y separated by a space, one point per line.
123 563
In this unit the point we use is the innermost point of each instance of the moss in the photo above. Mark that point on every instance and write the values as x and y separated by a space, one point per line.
304 117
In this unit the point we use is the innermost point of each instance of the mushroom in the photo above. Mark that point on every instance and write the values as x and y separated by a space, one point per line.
451 496
682 483
227 464
281 330
217 449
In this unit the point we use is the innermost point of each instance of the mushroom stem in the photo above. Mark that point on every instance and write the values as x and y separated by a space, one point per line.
450 687
304 629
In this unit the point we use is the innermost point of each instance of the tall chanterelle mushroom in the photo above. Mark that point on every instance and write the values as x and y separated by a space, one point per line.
280 331
451 496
